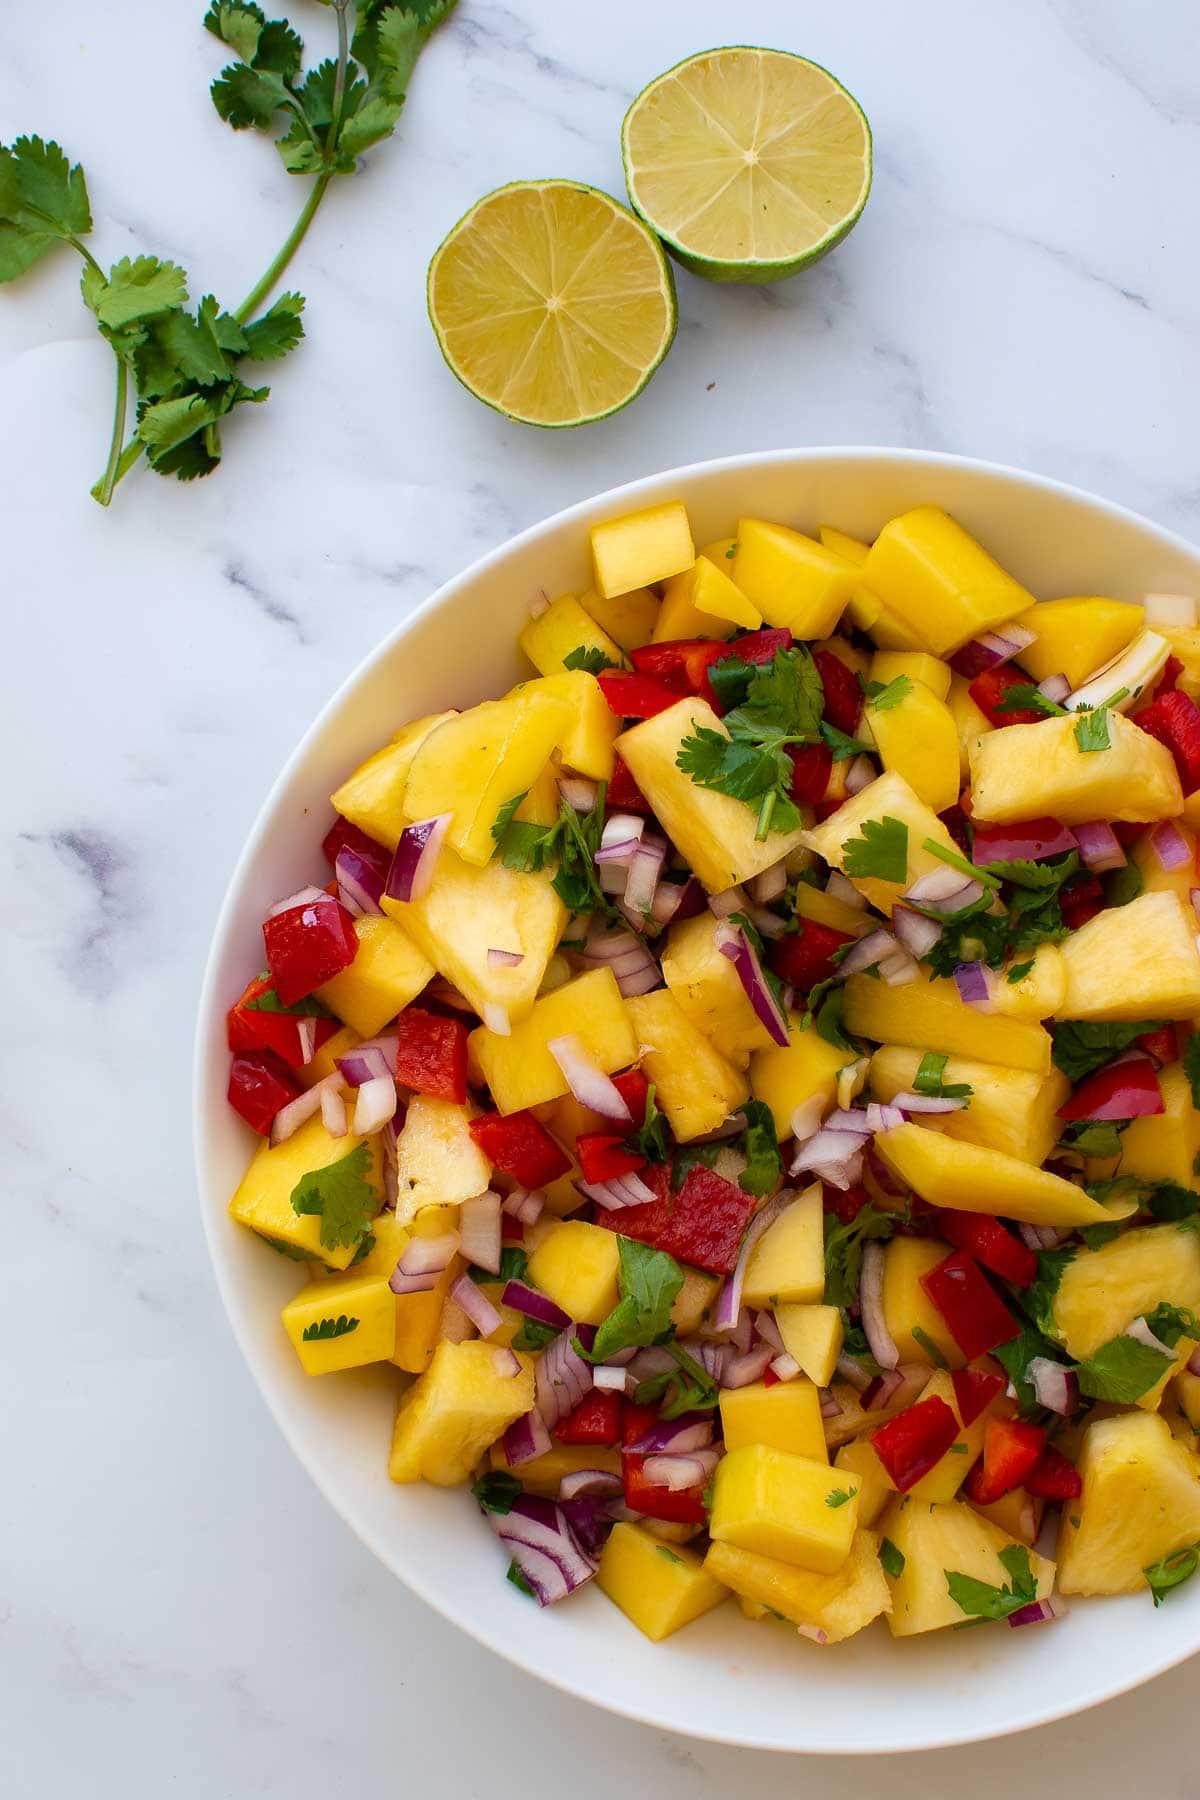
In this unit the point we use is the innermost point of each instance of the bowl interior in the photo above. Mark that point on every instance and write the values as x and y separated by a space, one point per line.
722 1678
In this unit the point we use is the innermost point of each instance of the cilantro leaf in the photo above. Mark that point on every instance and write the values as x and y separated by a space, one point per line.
882 698
648 1282
1163 1200
276 332
1038 1298
840 1496
343 1197
777 704
497 1491
686 1388
687 1157
880 852
1025 697
1092 730
922 1337
843 747
764 1165
1094 1137
533 1335
1122 1370
1018 972
1037 875
589 657
1172 1571
844 1245
269 1002
325 1329
519 1581
980 1600
826 1006
1169 1323
1191 1067
1124 884
893 1560
43 201
1081 1047
929 1079
569 844
1015 1357
955 860
652 1138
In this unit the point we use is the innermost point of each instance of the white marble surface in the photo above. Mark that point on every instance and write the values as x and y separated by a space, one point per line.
180 1613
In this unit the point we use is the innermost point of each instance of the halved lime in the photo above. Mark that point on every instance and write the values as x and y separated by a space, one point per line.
749 164
552 303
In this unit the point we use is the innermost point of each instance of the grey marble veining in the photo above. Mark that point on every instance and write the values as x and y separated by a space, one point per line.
180 1613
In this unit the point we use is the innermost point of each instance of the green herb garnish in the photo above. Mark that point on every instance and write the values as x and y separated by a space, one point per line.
325 1329
343 1197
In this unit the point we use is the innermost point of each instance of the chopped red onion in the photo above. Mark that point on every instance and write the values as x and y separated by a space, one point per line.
1039 1612
1055 1386
899 968
526 1438
475 1303
1143 1334
768 1330
578 792
870 1298
583 1483
883 1118
618 1192
505 959
711 1357
925 1103
375 1105
305 896
677 1437
843 889
333 1110
729 1301
652 1361
677 1473
626 955
562 1377
537 1535
527 1300
505 1361
429 1255
605 1376
832 1156
1055 688
882 1390
416 858
814 1633
479 1228
360 883
831 1406
289 1118
851 1370
785 1367
586 1080
917 934
370 1061
765 922
740 1371
645 867
1042 1237
306 1036
1099 847
990 649
733 943
972 983
1032 842
732 900
867 951
945 891
769 884
860 775
806 1120
1170 846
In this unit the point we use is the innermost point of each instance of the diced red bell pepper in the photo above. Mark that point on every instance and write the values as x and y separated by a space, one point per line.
1127 1089
770 1378
636 1421
432 1054
684 1506
680 663
914 1441
843 696
605 1157
1054 1478
596 1420
702 1224
976 1316
342 835
812 765
308 945
987 691
1172 669
1012 1450
1031 839
974 1391
633 1089
512 1230
759 646
846 1203
519 1145
1162 1044
991 1244
251 1027
802 958
260 1085
624 794
1174 719
636 696
1080 899
958 825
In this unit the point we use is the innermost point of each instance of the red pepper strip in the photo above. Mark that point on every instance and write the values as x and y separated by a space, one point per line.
974 1391
843 696
1124 1090
1031 839
604 1156
432 1054
308 945
1174 720
624 794
1081 899
596 1420
702 1224
1054 1478
991 1244
259 1087
804 957
1011 1451
636 696
988 689
633 1089
520 1145
914 1441
1162 1045
683 1507
249 1028
977 1318
812 765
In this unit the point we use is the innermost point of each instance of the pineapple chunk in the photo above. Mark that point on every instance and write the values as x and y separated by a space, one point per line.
969 723
1140 1502
1185 644
454 1411
888 797
706 985
325 1061
679 617
1037 994
543 1474
707 589
437 1159
918 665
1027 770
784 1417
563 627
629 619
1012 1110
469 911
715 833
939 581
828 1608
658 1587
342 1324
1185 1391
589 729
1104 1290
813 1335
1134 962
859 1461
1077 636
968 1178
373 797
936 1539
1019 1513
575 1265
519 1068
778 1505
826 909
387 972
1164 1147
692 1302
918 739
1156 879
263 1200
907 1308
791 579
478 760
641 548
696 1087
788 1261
929 1015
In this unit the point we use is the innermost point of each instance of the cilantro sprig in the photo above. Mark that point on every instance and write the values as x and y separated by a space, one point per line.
929 1079
322 1330
589 657
569 844
880 852
1172 1571
648 1282
776 704
981 1600
343 1197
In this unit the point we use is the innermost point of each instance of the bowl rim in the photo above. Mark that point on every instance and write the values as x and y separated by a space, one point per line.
210 1004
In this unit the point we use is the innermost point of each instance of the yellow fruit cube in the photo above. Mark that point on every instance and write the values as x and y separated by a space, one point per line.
966 1177
373 797
907 1308
1138 961
850 549
859 1462
1104 1290
696 1087
463 1402
1155 879
788 1261
680 617
714 832
826 909
629 619
564 626
707 987
784 1078
641 548
325 1061
1028 770
263 1200
1012 1110
929 1015
1165 1147
659 1587
468 911
918 665
1018 1513
1140 1503
387 972
575 1265
694 1300
827 1608
519 1068
918 739
888 797
784 1417
543 1474
590 726
1185 1390
418 1317
480 759
342 1324
785 1506
1038 993
969 723
792 580
1077 636
704 596
934 1539
813 1335
939 581
437 1159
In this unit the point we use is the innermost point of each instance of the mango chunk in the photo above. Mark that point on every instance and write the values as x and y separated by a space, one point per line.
437 1159
696 1087
680 617
564 626
519 1068
641 548
969 723
929 1015
543 1474
1140 1503
850 549
826 909
1025 771
694 1300
930 671
373 797
479 760
934 1539
1138 961
918 739
907 1308
387 972
575 1265
1013 1110
788 1261
1104 1290
589 728
1155 879
706 985
451 1414
888 797
629 619
263 1199
659 1587
342 1324
828 1608
947 1172
1077 636
1164 1147
859 1461
792 579
707 588
784 1417
325 1061
813 1335
418 1317
939 581
785 1076
779 1505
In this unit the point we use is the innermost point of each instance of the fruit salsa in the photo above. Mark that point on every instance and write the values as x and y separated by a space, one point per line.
743 1081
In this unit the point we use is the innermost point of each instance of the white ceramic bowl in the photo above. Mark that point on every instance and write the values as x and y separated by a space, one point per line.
722 1678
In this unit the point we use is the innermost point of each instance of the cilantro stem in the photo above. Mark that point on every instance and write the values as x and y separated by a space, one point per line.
291 244
766 813
103 490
